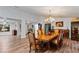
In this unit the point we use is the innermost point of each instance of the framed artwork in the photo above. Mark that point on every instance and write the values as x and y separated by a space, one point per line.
4 28
59 24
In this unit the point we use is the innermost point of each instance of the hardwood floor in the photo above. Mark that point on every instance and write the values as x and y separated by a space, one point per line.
13 44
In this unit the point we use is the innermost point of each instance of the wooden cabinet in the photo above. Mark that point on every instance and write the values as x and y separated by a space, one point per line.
75 30
74 34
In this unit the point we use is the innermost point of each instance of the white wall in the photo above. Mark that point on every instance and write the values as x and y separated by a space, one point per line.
66 23
13 12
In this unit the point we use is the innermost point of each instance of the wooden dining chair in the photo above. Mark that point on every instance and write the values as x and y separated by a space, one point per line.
60 38
33 43
57 42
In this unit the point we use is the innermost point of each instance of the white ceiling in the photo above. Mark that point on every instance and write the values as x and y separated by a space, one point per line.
57 11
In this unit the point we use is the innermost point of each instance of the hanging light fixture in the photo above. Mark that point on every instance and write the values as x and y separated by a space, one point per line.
49 18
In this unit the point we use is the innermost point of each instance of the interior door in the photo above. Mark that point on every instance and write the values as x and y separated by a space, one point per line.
47 28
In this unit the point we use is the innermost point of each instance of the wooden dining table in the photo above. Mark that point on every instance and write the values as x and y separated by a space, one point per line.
45 37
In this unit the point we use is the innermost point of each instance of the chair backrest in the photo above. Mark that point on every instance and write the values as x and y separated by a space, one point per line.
56 31
31 37
61 35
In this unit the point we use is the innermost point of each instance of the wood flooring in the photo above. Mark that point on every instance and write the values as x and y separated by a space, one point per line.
13 44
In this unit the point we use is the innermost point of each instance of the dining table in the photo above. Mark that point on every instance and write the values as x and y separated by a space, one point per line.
45 37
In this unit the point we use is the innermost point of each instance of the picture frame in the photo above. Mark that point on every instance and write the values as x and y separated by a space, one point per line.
59 24
4 28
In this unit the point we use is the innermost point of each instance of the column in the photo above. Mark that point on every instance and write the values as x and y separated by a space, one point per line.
70 28
23 28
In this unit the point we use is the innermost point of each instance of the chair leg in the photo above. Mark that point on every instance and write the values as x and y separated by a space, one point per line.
36 51
30 49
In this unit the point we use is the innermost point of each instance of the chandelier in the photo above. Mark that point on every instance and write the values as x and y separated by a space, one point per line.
49 18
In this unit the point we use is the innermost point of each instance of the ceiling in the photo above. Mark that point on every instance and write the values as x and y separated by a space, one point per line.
56 11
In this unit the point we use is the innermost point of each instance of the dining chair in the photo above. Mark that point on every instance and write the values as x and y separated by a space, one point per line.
57 42
61 38
33 43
